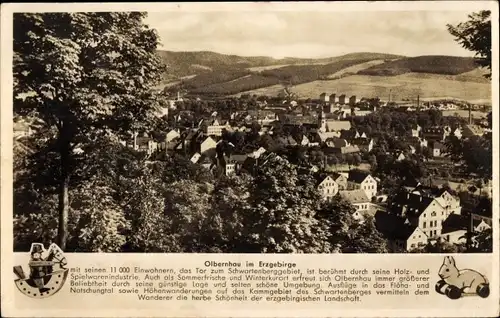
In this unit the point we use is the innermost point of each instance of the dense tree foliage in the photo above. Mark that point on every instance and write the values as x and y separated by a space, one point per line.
475 36
85 75
132 204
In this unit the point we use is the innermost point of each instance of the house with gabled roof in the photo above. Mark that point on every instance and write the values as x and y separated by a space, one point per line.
304 141
340 179
424 211
324 97
399 156
145 144
359 200
342 99
327 186
362 180
209 144
329 125
472 130
195 158
401 234
438 149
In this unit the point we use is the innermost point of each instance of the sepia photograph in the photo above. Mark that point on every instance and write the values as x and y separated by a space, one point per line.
264 131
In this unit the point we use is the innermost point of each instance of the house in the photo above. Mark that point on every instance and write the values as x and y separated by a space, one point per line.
472 130
401 234
359 200
327 187
347 149
215 127
340 179
333 98
304 141
415 131
328 109
457 132
342 99
195 158
400 156
227 165
438 149
339 114
426 212
336 142
144 144
332 125
267 119
324 136
207 145
412 149
257 153
294 120
480 225
353 100
361 180
441 195
435 133
323 97
171 135
364 144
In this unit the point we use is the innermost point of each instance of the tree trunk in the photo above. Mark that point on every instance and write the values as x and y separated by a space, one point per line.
62 234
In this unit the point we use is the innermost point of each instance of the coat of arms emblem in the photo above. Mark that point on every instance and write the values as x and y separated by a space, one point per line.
47 272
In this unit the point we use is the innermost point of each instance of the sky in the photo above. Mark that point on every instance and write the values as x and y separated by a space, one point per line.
309 34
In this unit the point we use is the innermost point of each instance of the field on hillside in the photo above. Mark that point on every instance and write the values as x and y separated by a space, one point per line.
434 64
272 67
354 69
406 86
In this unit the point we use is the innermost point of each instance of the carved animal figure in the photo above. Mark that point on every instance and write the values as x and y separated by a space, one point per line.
456 283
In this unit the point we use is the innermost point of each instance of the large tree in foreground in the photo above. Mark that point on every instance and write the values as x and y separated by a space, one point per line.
86 76
475 36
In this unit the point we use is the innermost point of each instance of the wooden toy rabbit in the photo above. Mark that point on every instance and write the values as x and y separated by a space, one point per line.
456 283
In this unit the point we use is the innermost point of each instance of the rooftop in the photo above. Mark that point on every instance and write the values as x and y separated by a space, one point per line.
355 196
393 227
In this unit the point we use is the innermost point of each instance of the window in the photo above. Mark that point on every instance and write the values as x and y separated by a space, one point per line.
423 225
433 214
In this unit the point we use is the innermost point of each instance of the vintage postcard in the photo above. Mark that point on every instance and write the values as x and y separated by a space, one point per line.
258 159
